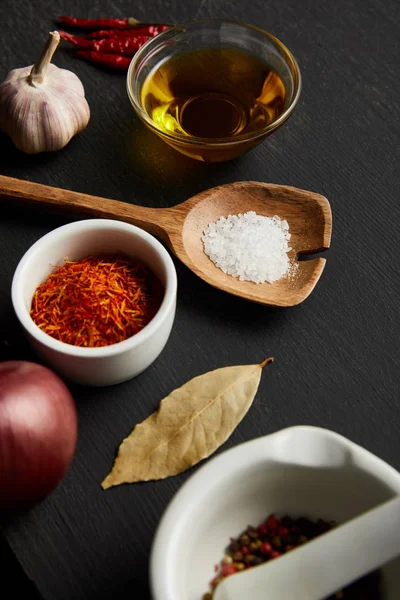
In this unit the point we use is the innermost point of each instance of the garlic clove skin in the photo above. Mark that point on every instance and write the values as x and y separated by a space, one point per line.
42 110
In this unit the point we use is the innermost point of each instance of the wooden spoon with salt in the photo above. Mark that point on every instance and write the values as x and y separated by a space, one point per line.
181 228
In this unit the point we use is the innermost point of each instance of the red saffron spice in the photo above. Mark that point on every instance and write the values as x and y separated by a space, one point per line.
97 301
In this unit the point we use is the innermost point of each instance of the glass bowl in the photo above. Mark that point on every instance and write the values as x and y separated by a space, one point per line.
218 36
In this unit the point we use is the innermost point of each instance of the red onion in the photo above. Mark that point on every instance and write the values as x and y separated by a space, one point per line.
38 432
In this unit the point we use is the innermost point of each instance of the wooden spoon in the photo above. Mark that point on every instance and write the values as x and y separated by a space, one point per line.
181 228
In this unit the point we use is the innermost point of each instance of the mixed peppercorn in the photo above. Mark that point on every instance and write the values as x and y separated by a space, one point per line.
274 537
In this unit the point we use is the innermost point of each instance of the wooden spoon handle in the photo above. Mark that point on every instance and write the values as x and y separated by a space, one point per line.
153 220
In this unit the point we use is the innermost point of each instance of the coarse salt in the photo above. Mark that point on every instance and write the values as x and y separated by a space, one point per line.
249 246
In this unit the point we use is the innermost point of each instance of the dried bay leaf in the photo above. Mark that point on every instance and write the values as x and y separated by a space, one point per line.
189 425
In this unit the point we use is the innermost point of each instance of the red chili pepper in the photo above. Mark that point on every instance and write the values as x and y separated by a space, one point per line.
99 23
126 46
114 61
151 30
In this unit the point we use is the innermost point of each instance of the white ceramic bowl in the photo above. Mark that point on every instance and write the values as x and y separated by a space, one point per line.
105 365
301 471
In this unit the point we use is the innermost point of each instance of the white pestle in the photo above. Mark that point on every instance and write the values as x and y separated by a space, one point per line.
325 565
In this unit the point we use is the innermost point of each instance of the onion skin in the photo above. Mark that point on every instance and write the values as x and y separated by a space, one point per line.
38 433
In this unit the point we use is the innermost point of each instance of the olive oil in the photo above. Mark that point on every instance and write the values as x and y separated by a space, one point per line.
213 93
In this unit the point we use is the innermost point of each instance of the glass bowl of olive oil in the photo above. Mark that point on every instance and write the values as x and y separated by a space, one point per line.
213 89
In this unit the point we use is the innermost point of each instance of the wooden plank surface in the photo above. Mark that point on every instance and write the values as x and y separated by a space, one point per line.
337 354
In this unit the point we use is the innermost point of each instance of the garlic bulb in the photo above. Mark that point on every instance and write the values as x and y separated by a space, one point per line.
42 106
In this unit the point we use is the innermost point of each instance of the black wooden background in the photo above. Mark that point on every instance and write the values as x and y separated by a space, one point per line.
336 354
